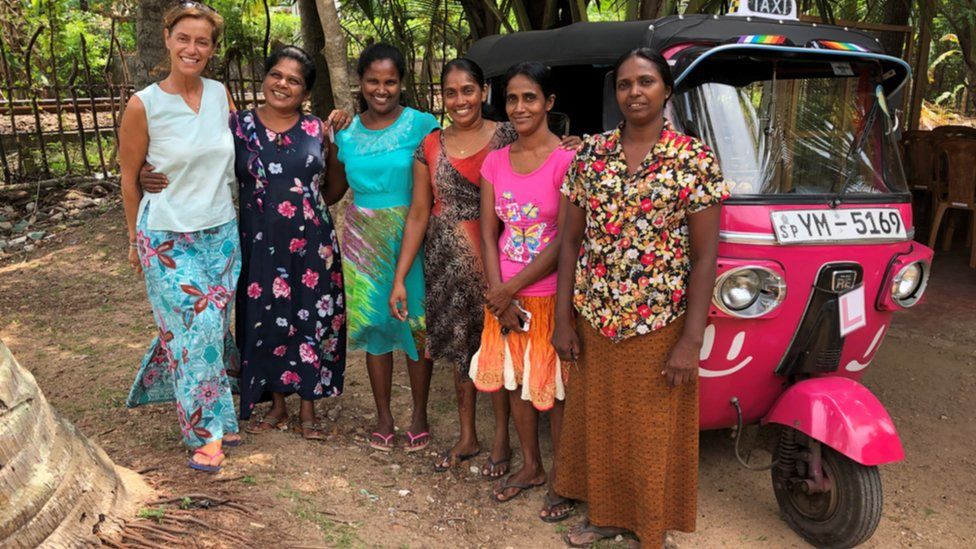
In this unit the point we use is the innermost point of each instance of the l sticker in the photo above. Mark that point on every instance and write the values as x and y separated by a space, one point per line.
852 314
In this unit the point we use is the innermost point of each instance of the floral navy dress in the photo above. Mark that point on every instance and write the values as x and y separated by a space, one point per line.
291 320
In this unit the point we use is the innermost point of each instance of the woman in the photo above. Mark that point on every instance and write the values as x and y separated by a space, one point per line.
520 194
445 206
643 200
377 151
291 310
184 239
291 318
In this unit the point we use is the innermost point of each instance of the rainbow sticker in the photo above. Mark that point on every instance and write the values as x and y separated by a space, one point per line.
770 39
841 46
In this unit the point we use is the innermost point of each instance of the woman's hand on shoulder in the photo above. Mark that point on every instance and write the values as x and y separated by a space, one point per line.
682 364
398 301
338 119
570 142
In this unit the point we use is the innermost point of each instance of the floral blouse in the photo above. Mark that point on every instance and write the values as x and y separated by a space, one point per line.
634 265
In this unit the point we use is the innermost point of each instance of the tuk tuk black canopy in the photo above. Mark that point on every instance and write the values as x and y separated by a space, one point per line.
603 43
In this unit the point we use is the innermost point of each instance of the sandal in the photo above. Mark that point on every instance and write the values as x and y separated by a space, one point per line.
413 445
232 442
508 484
311 432
268 423
496 469
206 467
446 460
383 443
598 533
550 504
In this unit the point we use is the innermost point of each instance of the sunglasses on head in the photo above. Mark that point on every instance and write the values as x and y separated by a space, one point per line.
195 4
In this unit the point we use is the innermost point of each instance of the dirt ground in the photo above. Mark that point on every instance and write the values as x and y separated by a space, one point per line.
74 314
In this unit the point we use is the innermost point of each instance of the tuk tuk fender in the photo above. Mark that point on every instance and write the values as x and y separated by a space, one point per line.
842 414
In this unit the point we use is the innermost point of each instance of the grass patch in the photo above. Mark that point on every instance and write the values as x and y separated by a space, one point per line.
111 398
248 479
336 534
152 514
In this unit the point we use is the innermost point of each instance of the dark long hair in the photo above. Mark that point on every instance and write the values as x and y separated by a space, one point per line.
534 71
473 70
656 59
379 52
296 54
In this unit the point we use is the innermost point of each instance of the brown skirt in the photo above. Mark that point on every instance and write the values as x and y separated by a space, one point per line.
629 445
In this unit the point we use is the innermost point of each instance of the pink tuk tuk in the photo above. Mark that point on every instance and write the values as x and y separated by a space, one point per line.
816 250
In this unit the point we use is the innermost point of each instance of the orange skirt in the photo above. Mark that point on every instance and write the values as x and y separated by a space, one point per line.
525 359
629 443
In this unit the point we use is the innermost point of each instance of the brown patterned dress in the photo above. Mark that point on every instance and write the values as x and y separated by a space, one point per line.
629 445
453 273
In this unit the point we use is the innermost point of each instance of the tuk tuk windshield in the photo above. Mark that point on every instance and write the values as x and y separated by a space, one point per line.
798 132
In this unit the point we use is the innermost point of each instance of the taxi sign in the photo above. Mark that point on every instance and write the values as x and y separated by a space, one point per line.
777 9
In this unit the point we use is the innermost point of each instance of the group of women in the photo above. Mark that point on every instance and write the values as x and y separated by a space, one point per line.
559 276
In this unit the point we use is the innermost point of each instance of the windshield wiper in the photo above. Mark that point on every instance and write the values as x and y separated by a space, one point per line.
856 147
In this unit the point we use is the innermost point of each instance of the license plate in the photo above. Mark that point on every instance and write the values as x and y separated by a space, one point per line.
799 226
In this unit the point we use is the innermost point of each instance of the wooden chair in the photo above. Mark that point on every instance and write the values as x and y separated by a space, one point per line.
954 132
918 154
957 178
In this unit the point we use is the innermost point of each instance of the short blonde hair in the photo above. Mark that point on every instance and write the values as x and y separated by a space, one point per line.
195 10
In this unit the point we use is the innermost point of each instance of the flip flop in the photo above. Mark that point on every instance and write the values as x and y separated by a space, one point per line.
310 432
383 443
507 484
453 459
233 443
603 533
504 465
280 423
413 445
205 467
550 503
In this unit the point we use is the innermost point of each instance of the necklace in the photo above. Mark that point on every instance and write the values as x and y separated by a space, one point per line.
461 146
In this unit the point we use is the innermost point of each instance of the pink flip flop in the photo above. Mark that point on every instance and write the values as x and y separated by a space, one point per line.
204 467
383 443
413 445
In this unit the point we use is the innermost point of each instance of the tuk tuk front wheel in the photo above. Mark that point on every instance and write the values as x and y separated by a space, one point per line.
827 498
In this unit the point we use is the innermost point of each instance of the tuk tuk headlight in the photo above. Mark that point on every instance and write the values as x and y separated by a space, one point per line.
749 292
908 284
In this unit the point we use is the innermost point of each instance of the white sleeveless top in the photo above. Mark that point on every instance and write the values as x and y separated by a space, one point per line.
196 152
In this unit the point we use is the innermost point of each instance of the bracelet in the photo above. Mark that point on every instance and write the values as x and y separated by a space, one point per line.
133 245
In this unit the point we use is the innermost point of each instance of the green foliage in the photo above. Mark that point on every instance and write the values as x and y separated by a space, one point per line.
245 22
64 24
152 514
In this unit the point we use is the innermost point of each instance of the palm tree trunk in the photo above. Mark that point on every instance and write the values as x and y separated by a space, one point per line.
57 488
150 55
335 54
313 40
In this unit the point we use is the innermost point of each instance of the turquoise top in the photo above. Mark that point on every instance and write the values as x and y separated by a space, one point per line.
379 163
196 152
